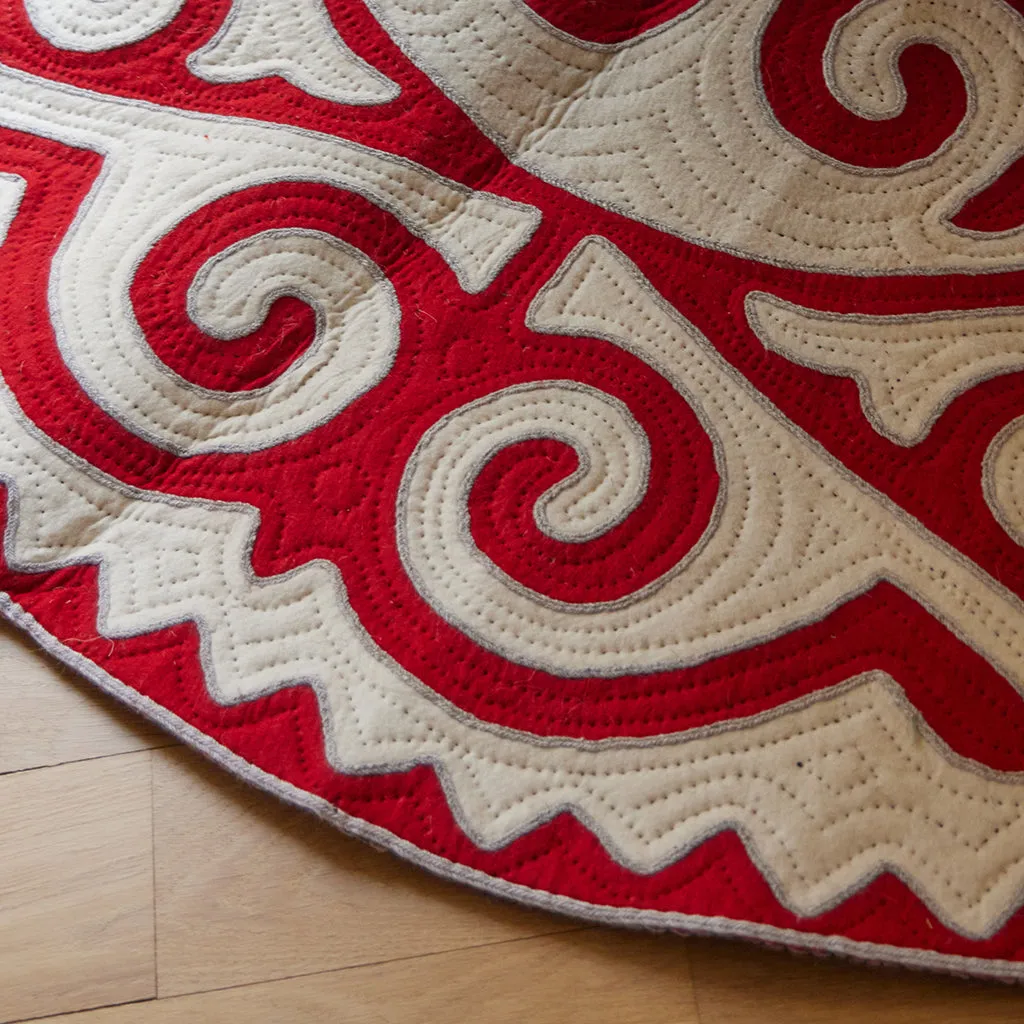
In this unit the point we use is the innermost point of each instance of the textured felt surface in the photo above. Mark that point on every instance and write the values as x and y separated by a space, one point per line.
577 446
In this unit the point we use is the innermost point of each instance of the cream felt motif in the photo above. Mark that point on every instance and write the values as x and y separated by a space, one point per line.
445 366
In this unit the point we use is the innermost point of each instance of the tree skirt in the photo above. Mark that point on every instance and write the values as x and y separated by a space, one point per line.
577 446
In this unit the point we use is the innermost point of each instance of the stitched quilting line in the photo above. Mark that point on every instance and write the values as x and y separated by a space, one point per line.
595 911
259 656
90 26
292 38
772 558
908 369
672 97
262 634
296 40
147 151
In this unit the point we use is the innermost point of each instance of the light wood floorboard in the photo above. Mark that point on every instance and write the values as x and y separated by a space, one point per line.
739 984
575 978
249 890
49 715
76 886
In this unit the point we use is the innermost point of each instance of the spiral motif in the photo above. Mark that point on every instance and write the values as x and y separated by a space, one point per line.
650 226
356 335
608 485
705 157
151 151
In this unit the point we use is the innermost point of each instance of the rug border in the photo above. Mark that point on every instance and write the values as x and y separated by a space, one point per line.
622 917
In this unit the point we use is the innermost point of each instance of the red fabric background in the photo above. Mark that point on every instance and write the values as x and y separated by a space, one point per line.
455 348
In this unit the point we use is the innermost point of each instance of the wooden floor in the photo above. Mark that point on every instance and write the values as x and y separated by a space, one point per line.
142 886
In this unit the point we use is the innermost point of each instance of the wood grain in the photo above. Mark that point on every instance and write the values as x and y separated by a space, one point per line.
51 716
738 984
578 978
249 889
76 886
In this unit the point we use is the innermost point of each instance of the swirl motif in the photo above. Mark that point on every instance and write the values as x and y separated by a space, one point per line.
774 556
705 157
608 485
670 129
356 338
152 150
648 802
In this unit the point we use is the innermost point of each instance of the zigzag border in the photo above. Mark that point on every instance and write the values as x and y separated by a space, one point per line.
165 560
1009 971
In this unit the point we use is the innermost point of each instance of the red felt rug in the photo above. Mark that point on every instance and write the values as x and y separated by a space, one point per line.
578 446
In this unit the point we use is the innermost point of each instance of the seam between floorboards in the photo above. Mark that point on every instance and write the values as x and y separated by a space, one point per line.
84 1009
86 760
368 964
152 843
694 989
